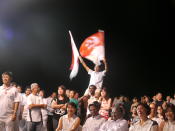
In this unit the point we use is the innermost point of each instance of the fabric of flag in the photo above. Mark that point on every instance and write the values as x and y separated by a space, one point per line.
75 54
93 47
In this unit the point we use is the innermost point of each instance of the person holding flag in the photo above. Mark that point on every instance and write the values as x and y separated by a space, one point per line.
93 49
96 75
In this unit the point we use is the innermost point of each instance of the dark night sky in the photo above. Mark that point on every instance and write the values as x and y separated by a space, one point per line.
35 44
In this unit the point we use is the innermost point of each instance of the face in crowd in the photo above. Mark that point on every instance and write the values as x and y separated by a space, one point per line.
6 79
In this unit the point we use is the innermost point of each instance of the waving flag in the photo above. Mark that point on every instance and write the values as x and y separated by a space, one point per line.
75 64
93 48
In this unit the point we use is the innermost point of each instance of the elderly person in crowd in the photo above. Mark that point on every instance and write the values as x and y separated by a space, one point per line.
117 123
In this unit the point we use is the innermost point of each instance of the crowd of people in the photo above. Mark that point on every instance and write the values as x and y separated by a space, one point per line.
65 110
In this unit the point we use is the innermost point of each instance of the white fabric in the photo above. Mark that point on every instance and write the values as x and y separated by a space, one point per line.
35 112
8 96
93 123
68 122
25 111
118 125
169 126
75 54
147 126
96 78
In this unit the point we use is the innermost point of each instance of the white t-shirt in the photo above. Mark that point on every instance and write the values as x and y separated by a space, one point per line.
96 78
35 112
118 125
8 96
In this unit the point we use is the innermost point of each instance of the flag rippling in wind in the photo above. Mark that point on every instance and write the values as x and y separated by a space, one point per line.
75 54
93 47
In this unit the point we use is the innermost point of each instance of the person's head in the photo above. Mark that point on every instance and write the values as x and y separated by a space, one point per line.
14 84
76 96
134 110
97 68
153 108
168 98
34 88
97 94
61 90
147 99
72 94
159 96
135 100
94 108
71 108
42 93
104 93
117 113
143 110
67 92
6 78
170 113
19 88
92 89
27 90
159 110
54 94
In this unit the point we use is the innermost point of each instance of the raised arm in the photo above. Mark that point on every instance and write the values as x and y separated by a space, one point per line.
105 63
84 64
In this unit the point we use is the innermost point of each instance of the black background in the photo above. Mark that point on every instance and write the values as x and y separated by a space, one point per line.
35 44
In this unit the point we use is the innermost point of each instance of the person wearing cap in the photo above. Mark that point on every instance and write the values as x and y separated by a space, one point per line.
96 75
9 99
35 104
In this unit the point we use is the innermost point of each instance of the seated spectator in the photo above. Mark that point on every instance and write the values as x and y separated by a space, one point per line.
94 122
160 115
69 122
169 123
144 124
134 116
117 123
105 104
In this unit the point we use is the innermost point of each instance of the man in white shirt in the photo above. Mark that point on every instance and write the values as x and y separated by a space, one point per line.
117 123
34 116
96 76
9 100
94 122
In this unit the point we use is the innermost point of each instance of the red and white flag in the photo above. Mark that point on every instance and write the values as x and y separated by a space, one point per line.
93 47
75 54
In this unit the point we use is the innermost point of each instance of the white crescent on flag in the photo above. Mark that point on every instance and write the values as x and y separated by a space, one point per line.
93 47
75 54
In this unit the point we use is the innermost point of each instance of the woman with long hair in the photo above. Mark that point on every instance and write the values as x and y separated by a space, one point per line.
59 104
169 123
106 102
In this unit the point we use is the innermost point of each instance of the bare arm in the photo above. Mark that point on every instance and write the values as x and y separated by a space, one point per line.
37 106
105 63
60 124
54 105
75 125
15 108
84 64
